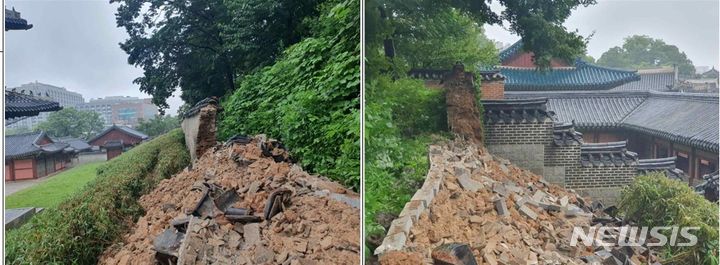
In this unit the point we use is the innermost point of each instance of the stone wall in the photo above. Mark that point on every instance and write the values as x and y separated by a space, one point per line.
523 144
519 133
527 156
557 159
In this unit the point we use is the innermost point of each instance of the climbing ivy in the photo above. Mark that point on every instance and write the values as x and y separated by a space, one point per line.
309 99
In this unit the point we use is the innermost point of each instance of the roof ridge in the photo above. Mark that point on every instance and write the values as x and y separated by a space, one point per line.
23 134
622 120
579 63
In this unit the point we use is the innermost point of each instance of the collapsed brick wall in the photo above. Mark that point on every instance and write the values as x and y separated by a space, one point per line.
462 110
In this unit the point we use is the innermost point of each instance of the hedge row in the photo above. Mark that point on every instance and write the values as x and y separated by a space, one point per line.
85 224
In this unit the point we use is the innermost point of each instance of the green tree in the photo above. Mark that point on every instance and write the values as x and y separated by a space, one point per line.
538 22
310 97
204 47
463 41
641 51
72 122
158 125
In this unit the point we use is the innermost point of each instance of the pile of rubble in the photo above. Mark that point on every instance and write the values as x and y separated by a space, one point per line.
244 202
487 211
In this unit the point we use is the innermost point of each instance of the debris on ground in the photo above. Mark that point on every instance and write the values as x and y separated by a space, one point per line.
487 211
244 202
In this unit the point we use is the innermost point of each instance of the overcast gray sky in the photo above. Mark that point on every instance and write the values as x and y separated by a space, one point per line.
691 25
74 44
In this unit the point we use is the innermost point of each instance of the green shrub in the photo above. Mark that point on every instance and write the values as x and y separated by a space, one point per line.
401 118
309 99
655 200
82 226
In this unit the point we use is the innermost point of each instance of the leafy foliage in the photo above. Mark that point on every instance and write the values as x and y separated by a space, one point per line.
538 22
72 122
655 200
309 99
158 125
401 118
203 47
641 51
82 226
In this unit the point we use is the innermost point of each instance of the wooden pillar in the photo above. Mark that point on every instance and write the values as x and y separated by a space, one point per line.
12 170
653 148
692 163
34 167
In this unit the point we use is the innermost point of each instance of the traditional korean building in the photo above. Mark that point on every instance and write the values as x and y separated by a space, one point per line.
608 105
115 139
35 155
19 105
13 21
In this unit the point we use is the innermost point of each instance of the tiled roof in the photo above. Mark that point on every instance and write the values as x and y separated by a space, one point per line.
651 80
77 144
588 109
13 21
428 74
125 129
583 76
24 145
21 105
664 165
201 104
686 118
510 50
606 155
527 110
564 134
683 118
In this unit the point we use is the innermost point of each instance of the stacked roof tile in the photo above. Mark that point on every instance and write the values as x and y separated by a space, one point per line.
664 165
530 110
564 134
607 155
21 105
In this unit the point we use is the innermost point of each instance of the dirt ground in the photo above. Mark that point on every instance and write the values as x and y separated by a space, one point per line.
314 227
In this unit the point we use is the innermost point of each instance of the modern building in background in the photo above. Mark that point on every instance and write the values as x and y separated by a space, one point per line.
47 92
121 110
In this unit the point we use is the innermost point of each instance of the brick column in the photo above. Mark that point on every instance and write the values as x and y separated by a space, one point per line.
199 127
461 100
493 85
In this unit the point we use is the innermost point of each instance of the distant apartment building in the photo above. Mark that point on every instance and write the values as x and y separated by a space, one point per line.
121 110
49 92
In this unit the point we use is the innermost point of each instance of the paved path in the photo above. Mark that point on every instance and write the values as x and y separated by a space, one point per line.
15 186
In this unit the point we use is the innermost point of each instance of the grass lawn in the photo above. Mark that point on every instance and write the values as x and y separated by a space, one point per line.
54 190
